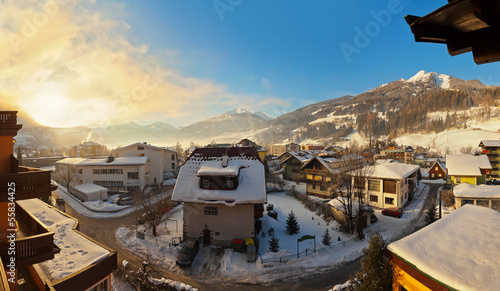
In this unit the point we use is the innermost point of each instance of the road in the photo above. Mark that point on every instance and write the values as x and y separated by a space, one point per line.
103 230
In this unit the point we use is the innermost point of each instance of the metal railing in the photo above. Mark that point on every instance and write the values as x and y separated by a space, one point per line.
306 252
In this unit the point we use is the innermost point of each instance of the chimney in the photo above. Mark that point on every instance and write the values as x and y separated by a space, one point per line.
110 159
224 161
145 142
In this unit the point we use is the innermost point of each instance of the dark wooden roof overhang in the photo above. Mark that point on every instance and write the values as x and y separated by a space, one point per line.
464 26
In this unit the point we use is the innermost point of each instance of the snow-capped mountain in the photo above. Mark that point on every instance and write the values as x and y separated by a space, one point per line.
426 102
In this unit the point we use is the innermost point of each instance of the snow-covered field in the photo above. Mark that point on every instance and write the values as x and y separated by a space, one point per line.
232 267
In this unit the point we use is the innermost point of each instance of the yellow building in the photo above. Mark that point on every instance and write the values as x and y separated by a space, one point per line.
463 168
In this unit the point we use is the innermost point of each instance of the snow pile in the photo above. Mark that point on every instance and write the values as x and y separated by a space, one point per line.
177 285
169 182
461 250
77 252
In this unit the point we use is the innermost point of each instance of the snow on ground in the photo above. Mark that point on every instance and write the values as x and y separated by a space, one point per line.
79 207
331 117
453 140
461 250
436 181
225 266
77 252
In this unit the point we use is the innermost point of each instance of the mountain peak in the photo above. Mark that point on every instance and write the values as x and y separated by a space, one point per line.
441 80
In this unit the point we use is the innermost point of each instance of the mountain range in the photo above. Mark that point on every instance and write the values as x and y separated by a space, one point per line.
425 102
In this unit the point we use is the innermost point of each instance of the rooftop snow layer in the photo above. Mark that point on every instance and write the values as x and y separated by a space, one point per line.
476 191
77 252
251 182
89 188
491 143
466 165
394 170
215 168
461 250
119 161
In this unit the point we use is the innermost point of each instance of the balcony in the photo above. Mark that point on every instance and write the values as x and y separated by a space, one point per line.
34 242
29 183
8 123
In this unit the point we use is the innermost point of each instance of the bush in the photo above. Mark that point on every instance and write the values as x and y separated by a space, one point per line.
448 198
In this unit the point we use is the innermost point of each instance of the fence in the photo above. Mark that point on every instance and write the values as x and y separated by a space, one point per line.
307 252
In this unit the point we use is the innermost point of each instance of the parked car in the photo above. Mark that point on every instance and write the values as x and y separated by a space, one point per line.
125 201
373 218
393 211
188 252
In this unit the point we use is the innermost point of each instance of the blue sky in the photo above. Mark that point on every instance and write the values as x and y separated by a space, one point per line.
295 45
274 56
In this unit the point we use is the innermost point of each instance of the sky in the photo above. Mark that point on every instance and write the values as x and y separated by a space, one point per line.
96 63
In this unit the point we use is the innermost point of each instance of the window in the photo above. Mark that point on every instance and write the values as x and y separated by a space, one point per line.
389 201
229 184
101 286
495 204
206 183
389 186
173 166
108 183
483 203
140 148
107 171
211 210
173 157
80 171
322 188
432 175
374 185
133 175
440 175
458 180
373 198
314 186
141 155
436 168
464 202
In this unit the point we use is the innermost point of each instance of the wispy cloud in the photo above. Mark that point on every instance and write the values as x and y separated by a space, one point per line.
68 63
266 83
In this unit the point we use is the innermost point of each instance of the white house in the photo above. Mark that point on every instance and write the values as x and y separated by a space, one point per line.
480 195
391 184
116 174
223 190
163 160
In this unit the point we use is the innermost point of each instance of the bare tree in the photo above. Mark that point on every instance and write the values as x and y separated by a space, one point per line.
152 207
66 176
347 183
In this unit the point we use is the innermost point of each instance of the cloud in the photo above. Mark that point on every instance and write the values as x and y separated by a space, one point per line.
67 63
266 84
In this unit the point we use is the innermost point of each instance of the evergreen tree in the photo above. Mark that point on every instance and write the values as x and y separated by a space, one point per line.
274 245
430 216
326 238
292 226
376 272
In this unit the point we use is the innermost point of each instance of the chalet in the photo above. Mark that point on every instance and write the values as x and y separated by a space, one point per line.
312 148
391 184
491 148
279 149
406 155
317 173
248 143
457 252
463 168
437 171
480 195
223 191
39 261
292 165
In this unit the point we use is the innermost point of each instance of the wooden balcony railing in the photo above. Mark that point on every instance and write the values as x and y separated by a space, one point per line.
8 123
29 183
31 249
4 284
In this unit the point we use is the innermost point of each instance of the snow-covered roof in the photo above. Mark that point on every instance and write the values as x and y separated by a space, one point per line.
146 146
90 188
251 182
71 161
337 204
215 168
461 250
394 170
466 165
490 143
77 252
476 191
